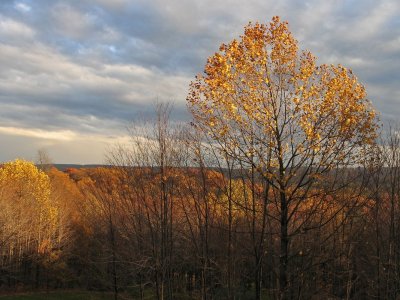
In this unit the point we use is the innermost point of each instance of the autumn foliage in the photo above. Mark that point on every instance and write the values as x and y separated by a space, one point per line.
262 92
268 106
278 190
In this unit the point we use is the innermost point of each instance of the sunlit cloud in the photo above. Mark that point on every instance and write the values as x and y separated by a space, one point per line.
22 7
62 135
12 28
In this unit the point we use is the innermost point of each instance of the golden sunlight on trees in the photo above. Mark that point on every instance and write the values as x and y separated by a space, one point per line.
27 216
270 107
29 186
279 190
263 93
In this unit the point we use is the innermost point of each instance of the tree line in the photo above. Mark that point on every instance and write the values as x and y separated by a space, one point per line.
192 223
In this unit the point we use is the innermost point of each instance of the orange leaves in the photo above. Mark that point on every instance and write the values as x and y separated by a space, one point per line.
243 75
284 46
261 89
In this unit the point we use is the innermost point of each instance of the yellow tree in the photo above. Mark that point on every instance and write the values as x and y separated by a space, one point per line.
26 210
270 106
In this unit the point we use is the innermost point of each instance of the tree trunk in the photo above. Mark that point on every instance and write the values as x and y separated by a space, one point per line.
283 259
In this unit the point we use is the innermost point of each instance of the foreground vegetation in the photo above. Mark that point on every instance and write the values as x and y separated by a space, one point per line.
66 295
108 228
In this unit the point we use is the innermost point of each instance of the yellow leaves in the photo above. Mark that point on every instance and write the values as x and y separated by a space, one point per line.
262 83
29 189
23 176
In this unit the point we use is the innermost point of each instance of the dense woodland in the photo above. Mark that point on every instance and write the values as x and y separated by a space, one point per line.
189 222
281 188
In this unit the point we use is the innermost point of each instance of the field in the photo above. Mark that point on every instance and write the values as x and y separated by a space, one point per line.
62 295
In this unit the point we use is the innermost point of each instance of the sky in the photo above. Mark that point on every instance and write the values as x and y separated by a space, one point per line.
75 74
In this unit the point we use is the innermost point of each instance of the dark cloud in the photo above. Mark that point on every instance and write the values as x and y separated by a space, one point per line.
90 66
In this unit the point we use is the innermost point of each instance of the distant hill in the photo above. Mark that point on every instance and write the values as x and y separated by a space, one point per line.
63 167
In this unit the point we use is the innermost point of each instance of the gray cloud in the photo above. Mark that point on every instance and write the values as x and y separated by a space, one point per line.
90 66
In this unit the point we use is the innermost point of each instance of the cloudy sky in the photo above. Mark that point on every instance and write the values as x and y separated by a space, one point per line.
74 74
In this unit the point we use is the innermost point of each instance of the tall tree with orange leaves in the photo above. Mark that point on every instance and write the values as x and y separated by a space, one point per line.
269 105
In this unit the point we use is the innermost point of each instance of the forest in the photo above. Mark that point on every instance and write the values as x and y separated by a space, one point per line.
283 186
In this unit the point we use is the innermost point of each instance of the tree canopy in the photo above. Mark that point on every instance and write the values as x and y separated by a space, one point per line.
262 97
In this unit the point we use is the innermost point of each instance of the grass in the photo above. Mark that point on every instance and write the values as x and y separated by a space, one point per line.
62 295
88 295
